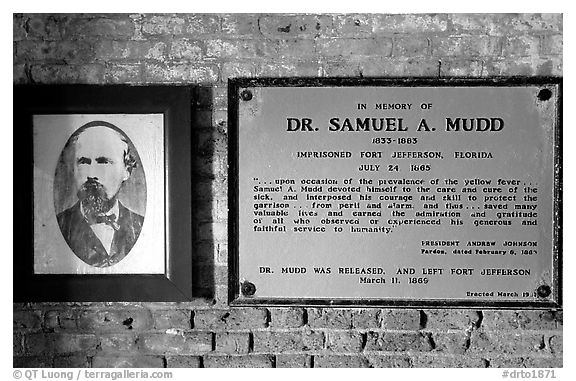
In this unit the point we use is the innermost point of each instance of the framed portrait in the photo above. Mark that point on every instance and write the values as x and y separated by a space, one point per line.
99 215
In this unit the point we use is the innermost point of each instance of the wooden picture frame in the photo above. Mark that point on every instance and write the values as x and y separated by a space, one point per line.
152 123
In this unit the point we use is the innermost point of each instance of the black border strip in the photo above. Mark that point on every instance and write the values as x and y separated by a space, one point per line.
234 86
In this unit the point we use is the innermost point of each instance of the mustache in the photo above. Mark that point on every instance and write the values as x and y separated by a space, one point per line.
91 187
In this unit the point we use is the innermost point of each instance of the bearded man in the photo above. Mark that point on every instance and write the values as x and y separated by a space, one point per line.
98 228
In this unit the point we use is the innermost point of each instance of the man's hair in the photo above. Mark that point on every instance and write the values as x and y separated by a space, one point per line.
130 161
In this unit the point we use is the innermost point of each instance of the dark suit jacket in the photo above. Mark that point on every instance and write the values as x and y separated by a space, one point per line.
86 245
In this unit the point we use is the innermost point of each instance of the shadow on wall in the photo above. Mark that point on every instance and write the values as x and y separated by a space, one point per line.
209 196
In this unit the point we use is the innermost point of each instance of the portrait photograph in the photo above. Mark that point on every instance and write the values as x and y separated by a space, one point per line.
99 194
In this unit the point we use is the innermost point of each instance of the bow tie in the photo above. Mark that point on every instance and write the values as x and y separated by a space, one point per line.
109 220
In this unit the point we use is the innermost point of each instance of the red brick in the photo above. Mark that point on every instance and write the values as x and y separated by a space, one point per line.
211 142
267 341
344 341
232 342
186 49
18 27
249 361
289 68
68 51
462 67
294 48
17 347
115 320
41 343
519 23
341 67
409 46
100 361
236 318
330 318
511 320
379 361
118 343
293 361
454 342
466 46
222 255
26 320
477 22
163 25
72 343
19 75
131 50
399 67
233 48
286 317
38 343
381 47
555 343
333 361
202 24
543 362
505 343
165 319
46 27
238 69
552 45
302 26
67 74
32 362
440 361
398 341
117 73
73 361
221 296
234 25
51 320
353 25
451 319
521 66
176 342
183 361
119 27
180 73
401 319
366 318
410 23
521 46
219 98
67 319
506 362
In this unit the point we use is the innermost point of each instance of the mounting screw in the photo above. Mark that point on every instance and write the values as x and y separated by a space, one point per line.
543 291
544 94
248 289
246 95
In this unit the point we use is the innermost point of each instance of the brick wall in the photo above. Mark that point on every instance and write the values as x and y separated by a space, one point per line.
204 51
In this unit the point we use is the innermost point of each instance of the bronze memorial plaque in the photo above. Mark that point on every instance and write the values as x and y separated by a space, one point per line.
398 192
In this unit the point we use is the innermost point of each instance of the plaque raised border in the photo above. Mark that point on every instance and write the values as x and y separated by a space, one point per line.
240 291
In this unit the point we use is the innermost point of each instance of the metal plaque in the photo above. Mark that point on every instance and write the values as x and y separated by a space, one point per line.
395 192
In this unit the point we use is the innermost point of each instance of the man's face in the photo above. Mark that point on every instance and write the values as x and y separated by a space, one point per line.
99 157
